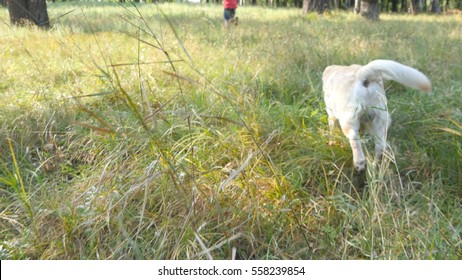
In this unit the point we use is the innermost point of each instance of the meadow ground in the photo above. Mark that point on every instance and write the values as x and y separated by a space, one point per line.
151 133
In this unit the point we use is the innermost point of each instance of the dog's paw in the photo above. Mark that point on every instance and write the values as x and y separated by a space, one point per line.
360 166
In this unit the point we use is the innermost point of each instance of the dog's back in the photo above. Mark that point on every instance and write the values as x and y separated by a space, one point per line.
338 76
340 89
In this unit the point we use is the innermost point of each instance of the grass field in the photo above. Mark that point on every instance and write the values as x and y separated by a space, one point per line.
151 133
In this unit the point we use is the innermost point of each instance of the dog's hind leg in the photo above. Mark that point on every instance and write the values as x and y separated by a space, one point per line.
379 131
351 131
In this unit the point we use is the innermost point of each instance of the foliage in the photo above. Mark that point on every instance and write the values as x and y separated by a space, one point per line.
149 132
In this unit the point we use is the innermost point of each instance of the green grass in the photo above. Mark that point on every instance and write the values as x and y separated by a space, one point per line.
152 133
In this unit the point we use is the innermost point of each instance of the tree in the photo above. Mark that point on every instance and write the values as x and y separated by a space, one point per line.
415 6
313 6
370 9
28 11
435 6
357 7
394 6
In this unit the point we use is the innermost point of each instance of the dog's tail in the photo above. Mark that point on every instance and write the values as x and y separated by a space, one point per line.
391 70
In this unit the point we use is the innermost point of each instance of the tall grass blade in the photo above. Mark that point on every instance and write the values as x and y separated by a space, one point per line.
21 190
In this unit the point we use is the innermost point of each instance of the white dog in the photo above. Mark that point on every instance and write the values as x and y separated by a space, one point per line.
354 96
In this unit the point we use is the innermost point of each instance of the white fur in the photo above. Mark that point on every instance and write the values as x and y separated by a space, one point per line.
355 97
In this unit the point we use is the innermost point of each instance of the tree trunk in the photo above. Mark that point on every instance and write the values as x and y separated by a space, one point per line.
370 9
435 8
313 6
415 6
394 6
23 12
357 8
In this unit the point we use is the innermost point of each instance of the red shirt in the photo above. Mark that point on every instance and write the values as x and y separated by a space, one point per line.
230 4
